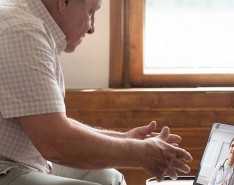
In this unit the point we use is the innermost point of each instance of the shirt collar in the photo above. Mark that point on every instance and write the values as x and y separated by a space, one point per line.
40 11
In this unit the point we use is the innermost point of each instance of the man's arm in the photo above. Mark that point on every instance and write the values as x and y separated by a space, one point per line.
141 133
101 131
60 141
63 142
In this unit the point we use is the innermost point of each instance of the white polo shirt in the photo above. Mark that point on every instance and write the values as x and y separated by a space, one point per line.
31 80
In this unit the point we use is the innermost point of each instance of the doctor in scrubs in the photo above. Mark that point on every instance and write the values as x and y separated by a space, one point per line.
224 171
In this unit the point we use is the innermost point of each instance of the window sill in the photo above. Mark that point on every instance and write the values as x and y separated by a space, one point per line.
197 89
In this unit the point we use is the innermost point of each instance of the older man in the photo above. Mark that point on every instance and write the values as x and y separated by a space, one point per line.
34 128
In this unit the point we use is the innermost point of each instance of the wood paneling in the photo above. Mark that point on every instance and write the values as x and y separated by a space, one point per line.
189 114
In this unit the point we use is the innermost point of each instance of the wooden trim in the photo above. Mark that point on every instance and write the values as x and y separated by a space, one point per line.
136 42
116 43
183 80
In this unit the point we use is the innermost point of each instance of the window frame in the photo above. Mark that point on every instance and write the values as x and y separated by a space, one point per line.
126 54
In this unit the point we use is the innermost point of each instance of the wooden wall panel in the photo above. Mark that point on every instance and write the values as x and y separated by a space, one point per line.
189 114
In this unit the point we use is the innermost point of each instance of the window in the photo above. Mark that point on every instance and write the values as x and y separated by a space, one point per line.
172 43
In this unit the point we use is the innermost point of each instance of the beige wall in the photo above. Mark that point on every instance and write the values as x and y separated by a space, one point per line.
88 66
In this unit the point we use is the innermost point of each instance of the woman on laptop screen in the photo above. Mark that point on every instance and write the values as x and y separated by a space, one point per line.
224 171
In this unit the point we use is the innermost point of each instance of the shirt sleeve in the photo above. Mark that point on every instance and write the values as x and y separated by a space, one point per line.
28 80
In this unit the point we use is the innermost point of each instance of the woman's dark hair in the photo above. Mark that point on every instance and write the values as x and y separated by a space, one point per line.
231 142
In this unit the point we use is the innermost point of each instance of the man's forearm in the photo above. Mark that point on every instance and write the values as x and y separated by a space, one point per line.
101 131
84 147
61 141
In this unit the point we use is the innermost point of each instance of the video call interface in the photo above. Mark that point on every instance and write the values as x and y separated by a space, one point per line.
217 151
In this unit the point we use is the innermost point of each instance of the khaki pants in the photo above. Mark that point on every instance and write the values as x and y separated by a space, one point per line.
62 176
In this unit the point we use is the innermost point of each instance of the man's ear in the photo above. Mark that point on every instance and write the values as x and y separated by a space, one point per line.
66 2
62 5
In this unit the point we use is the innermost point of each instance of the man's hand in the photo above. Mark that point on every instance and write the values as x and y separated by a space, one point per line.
148 131
163 159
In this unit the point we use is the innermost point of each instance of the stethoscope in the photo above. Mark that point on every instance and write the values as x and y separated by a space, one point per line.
222 167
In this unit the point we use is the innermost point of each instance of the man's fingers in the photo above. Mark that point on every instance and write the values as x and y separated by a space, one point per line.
148 129
151 127
160 177
173 138
184 155
164 134
180 166
174 144
172 173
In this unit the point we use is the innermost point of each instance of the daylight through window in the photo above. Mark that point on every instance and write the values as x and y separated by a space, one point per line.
189 37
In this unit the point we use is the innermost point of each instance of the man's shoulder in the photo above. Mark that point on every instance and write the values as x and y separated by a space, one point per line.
11 17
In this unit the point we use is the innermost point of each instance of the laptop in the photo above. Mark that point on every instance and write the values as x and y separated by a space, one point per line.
216 150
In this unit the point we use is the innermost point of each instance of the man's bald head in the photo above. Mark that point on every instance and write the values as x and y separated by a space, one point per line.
74 17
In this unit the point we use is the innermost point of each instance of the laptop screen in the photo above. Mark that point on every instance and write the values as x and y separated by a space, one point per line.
213 169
